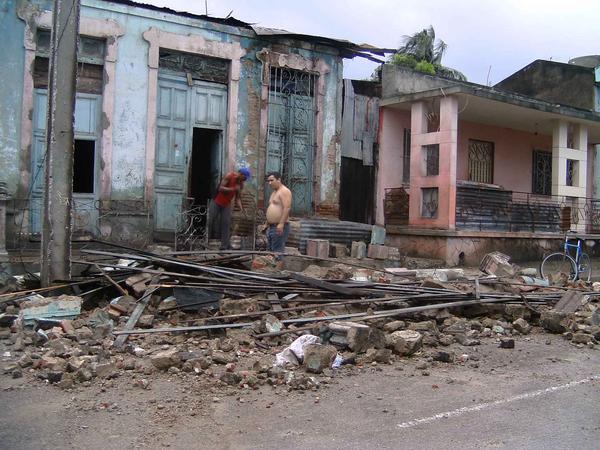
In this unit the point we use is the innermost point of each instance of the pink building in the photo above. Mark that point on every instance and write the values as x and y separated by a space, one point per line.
465 169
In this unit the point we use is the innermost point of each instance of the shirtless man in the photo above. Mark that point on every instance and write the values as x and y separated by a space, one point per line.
278 214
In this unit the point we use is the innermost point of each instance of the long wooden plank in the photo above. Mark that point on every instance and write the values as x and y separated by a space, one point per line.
137 312
315 282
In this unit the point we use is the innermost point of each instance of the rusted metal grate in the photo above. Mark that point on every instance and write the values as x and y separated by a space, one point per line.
481 161
432 159
395 206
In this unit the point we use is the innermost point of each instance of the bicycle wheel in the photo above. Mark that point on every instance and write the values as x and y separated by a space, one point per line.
557 266
585 268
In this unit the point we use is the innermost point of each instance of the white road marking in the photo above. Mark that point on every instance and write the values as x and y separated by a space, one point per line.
479 407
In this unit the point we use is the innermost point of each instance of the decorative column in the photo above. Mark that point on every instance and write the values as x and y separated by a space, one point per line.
433 190
569 170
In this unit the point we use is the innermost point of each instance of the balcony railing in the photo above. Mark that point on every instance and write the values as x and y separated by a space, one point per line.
490 208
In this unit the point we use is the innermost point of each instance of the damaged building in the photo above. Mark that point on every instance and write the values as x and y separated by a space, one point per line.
466 169
167 103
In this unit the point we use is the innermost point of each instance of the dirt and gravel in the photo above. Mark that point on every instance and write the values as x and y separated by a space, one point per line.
353 407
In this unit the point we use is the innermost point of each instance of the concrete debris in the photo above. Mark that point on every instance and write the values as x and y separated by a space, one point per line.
405 342
497 264
318 357
259 326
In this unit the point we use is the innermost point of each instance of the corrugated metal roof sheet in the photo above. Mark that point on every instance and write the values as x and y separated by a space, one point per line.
335 231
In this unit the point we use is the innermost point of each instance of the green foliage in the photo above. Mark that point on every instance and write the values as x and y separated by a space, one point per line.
401 59
425 67
423 53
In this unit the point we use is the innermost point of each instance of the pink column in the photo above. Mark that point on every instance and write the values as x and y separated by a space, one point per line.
445 181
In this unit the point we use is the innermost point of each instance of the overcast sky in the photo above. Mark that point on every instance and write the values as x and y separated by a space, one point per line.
487 39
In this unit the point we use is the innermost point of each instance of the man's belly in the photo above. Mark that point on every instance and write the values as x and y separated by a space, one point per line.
273 214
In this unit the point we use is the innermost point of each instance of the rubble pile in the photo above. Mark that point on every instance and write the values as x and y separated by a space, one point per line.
210 316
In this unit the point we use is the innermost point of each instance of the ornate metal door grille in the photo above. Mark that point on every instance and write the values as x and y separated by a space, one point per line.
432 159
542 172
481 161
290 134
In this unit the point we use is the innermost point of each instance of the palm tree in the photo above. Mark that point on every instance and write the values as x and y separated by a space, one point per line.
421 52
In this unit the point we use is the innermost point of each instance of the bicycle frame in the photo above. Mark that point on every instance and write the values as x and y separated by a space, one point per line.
569 246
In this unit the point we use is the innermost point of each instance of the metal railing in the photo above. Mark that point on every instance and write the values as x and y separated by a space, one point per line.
488 208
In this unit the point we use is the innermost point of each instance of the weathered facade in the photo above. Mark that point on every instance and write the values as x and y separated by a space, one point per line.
167 103
466 169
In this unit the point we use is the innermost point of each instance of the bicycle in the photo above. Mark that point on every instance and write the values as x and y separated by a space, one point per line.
572 262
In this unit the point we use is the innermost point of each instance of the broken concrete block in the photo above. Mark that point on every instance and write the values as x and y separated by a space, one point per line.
359 250
67 326
264 263
145 321
106 371
507 343
231 378
270 324
521 326
405 342
515 312
360 339
498 264
229 306
138 278
165 359
581 338
378 355
318 357
339 251
220 357
394 325
378 252
83 334
318 248
428 325
445 357
125 304
554 321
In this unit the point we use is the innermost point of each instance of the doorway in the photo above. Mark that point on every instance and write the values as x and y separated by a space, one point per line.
205 166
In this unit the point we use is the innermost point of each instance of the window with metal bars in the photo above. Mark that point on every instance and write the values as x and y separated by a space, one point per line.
542 172
429 202
572 168
432 159
406 157
481 161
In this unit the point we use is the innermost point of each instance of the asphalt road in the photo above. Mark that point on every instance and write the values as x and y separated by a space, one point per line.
543 394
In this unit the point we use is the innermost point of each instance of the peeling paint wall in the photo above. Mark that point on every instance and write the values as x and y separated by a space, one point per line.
125 164
11 89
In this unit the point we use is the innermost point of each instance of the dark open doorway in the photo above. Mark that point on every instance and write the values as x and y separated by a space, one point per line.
357 191
83 166
205 167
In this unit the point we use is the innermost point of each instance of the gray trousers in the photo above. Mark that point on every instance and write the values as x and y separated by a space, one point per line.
220 224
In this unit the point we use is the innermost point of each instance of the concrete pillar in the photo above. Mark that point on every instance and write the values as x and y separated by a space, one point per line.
573 195
561 154
3 201
445 181
58 192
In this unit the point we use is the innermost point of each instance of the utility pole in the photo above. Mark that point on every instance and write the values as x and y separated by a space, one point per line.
58 183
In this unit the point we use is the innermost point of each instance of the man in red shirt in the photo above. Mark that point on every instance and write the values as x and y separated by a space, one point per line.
229 189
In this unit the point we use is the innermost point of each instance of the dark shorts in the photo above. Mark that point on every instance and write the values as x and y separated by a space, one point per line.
275 241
